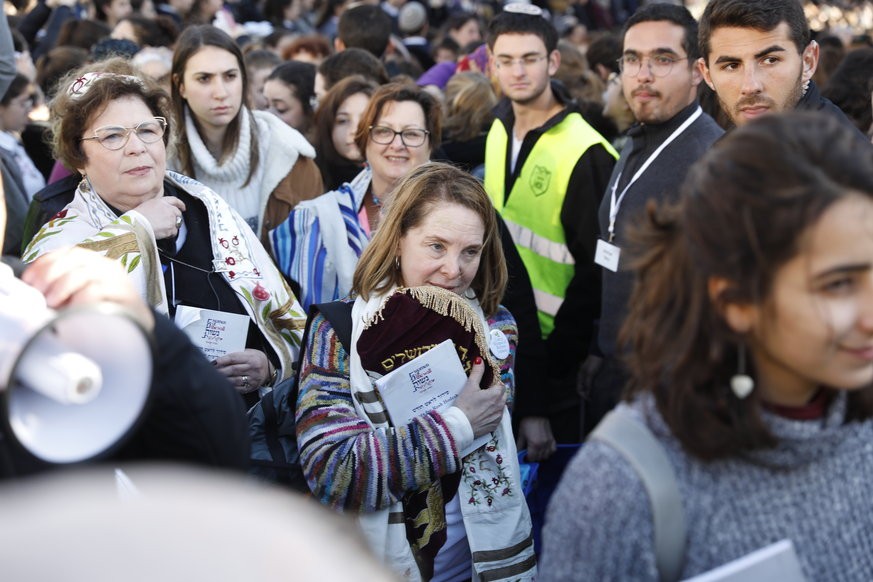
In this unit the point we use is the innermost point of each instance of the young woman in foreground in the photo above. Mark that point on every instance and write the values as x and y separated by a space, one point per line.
761 279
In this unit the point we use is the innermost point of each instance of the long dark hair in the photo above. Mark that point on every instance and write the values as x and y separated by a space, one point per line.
190 42
742 211
328 158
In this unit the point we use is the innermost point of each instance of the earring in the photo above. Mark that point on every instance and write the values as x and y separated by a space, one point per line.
804 87
397 263
741 383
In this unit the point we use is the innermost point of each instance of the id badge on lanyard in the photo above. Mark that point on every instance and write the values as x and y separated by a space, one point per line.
607 254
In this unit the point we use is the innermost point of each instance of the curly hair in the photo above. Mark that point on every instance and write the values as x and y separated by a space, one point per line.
72 113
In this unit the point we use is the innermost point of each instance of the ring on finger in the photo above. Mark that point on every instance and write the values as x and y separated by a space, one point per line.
178 221
245 381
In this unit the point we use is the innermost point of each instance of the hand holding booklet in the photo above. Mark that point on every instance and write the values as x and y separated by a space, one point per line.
431 381
215 333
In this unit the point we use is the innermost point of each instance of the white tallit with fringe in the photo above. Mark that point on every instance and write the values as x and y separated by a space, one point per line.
498 525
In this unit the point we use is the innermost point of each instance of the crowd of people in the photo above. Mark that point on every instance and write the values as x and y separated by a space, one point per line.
633 224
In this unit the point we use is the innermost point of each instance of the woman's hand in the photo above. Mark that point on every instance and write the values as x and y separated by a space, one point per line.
483 408
163 213
75 276
247 370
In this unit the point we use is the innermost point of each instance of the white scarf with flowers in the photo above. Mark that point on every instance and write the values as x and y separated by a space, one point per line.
237 254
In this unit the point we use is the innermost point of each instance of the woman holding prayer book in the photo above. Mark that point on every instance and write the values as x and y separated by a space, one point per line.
750 345
429 507
180 242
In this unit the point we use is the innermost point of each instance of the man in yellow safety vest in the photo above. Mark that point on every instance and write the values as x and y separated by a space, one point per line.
546 169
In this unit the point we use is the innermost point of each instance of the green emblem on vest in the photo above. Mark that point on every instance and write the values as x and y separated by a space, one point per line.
539 180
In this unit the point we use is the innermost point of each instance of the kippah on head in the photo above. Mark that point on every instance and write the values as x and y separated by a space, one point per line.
413 320
523 8
412 17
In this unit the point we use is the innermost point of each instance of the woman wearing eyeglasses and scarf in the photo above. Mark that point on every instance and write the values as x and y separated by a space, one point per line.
319 244
179 241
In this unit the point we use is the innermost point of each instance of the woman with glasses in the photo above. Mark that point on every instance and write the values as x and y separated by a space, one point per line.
181 243
319 244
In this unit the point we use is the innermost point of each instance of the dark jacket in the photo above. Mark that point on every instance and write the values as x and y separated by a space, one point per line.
660 182
15 196
813 100
46 203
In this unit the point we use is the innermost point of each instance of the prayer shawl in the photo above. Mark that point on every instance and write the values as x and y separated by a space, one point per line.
319 244
88 222
496 517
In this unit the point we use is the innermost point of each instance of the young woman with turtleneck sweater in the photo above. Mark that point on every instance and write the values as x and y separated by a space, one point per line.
258 164
750 345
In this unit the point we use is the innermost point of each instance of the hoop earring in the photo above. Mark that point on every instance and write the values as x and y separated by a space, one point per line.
741 383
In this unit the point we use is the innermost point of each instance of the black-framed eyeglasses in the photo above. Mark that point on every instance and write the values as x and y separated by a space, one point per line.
115 137
411 138
660 65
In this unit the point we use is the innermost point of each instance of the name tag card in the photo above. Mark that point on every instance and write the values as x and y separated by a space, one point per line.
607 255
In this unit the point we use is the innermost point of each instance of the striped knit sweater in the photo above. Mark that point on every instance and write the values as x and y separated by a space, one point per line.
813 487
348 465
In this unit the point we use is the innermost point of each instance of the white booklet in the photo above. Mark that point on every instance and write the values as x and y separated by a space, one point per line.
432 381
216 333
774 562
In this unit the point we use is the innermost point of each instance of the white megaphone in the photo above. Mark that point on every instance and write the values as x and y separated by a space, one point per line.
73 382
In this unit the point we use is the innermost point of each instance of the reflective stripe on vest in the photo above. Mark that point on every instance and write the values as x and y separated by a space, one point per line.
542 246
546 303
532 211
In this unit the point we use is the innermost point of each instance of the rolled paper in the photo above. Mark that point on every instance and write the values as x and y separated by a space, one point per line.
56 372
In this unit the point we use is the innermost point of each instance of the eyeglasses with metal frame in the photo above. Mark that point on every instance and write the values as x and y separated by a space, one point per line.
660 64
115 137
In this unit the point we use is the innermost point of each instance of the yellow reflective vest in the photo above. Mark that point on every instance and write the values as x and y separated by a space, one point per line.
532 211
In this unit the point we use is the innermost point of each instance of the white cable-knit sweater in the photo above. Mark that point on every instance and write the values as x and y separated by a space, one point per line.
279 146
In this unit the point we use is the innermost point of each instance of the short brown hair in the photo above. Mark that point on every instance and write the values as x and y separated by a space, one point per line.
424 188
761 15
71 114
401 91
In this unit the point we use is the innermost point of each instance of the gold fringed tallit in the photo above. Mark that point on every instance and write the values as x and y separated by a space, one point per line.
448 304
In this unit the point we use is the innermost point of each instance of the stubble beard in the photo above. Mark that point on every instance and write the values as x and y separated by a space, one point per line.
524 101
790 102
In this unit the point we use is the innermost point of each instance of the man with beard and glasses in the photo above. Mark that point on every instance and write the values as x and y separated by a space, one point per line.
546 169
659 78
758 58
